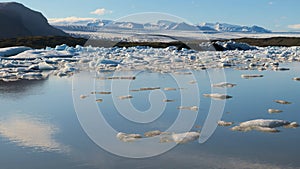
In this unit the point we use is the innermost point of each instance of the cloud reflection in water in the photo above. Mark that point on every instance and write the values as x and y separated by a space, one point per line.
27 131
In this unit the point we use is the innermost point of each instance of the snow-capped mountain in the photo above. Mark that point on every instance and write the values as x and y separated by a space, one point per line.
95 25
223 27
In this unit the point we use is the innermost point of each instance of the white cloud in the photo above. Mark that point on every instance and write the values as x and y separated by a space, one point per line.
70 20
271 3
295 26
101 11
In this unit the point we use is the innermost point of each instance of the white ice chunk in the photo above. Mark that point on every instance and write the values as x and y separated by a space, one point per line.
128 137
153 133
248 76
224 123
11 51
296 78
125 97
224 84
180 137
40 53
218 96
282 102
274 111
45 66
192 108
264 125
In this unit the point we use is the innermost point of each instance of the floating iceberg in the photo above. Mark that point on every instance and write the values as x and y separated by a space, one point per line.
224 123
153 133
40 53
100 92
180 137
248 76
281 69
83 96
218 96
45 66
11 51
128 137
149 88
296 78
192 108
264 125
168 100
125 97
170 89
99 100
274 111
282 102
224 84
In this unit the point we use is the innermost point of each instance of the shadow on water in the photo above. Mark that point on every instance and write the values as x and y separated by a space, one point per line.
20 88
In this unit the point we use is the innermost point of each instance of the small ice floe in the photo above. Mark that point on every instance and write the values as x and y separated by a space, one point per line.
128 137
153 133
103 93
32 76
274 111
197 126
135 90
125 97
296 78
249 76
224 84
83 96
45 66
118 78
168 100
149 88
264 125
180 138
183 73
224 123
282 102
217 96
170 89
99 100
192 108
192 82
281 69
41 53
110 62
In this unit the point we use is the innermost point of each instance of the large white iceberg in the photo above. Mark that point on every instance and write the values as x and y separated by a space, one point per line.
264 125
11 51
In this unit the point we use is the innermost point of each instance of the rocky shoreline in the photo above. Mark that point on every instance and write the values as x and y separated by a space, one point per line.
39 42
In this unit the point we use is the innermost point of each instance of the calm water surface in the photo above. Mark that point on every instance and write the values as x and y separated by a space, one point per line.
39 127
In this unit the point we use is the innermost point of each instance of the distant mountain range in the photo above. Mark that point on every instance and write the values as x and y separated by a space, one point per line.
19 21
96 25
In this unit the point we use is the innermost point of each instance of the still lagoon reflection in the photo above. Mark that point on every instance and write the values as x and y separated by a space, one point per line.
39 126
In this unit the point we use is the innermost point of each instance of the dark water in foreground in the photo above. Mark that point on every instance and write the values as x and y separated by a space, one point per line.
39 127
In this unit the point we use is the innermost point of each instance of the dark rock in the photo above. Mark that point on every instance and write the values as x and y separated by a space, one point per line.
20 21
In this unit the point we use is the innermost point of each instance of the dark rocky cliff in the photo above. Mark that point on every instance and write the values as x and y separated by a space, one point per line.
19 21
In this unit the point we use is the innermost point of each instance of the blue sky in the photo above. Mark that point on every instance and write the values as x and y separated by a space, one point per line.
277 15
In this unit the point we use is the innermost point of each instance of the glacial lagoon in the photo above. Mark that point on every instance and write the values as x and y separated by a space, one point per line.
39 127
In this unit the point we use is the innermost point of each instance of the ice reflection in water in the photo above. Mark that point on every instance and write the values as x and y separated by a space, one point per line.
27 131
